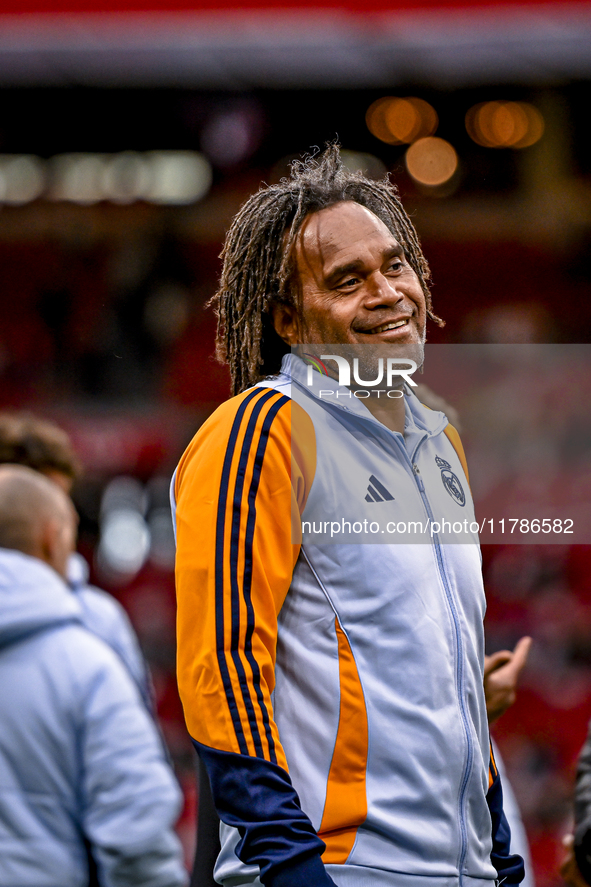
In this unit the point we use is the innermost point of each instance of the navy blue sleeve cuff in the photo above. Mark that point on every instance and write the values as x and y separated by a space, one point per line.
509 866
257 797
308 873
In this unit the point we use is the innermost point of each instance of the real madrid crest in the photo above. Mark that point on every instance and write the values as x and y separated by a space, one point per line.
451 481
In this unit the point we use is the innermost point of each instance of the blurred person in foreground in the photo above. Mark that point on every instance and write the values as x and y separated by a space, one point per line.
501 675
86 795
334 692
28 440
576 868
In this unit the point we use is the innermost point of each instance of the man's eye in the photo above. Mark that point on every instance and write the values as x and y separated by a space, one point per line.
397 265
351 281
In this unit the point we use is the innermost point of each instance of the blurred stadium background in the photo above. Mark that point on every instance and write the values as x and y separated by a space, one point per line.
130 132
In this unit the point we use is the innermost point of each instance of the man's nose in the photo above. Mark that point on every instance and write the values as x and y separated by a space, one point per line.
382 290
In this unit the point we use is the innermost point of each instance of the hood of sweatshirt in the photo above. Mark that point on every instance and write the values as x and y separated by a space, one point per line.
32 597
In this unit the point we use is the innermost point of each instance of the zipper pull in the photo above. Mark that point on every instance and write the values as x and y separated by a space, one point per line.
417 474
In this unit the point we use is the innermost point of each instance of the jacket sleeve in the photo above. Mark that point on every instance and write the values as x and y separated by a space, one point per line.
582 843
238 493
510 867
129 797
105 617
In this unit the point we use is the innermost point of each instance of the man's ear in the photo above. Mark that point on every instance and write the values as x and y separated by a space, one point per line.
48 540
286 322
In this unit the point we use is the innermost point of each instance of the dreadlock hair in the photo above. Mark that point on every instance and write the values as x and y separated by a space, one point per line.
258 257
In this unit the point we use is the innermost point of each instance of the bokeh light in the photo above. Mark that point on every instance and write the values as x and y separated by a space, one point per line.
125 542
502 124
431 161
77 178
370 165
172 178
178 177
126 177
22 178
124 534
124 492
400 121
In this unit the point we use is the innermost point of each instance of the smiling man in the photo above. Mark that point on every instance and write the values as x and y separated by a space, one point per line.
357 289
333 689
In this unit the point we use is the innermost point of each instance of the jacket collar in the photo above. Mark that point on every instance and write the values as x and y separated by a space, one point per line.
420 420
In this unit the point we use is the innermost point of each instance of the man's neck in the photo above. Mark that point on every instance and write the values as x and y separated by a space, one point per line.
387 410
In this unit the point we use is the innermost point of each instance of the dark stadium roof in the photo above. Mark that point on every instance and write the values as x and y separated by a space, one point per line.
253 45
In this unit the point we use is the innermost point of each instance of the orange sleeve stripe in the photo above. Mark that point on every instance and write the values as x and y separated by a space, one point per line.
235 527
235 485
454 439
345 807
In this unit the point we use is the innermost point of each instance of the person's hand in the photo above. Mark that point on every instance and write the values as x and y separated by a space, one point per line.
501 673
569 869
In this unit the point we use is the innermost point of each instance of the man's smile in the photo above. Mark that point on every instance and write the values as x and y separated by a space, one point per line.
385 327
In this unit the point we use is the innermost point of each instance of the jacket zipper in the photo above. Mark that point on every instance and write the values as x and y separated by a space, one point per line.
460 654
459 644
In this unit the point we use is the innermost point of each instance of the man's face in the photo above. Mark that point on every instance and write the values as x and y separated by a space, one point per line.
356 286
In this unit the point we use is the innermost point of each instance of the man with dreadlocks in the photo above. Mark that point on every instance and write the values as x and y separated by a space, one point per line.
333 691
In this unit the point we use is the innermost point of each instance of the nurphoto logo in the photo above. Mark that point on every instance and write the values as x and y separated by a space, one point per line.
390 372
